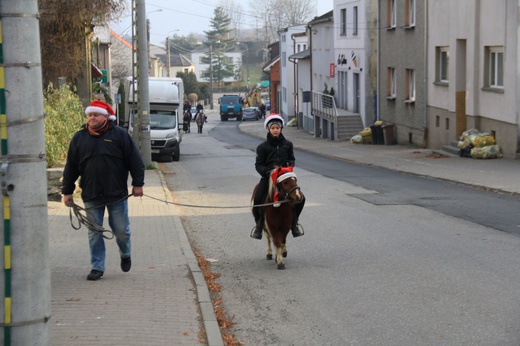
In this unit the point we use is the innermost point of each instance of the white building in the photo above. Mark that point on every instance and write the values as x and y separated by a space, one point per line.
288 46
199 57
355 51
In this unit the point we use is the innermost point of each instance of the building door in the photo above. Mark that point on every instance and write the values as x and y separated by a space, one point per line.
356 92
460 89
343 91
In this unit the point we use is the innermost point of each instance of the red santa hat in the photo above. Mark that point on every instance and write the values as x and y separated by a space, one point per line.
100 107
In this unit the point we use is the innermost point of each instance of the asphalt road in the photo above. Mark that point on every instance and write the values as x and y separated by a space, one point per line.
387 258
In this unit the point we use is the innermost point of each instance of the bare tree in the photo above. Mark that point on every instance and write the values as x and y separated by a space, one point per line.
296 12
64 36
234 10
279 14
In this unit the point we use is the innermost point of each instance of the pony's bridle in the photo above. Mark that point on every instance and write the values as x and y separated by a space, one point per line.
287 195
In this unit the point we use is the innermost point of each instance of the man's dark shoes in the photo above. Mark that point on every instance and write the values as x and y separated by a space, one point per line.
296 231
126 264
257 232
94 275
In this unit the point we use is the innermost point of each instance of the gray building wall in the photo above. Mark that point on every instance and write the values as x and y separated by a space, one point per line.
403 47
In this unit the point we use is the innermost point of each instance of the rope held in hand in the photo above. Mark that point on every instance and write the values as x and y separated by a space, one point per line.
90 224
81 213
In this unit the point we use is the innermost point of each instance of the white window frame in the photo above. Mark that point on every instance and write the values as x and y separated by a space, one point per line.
411 13
496 67
444 68
355 26
392 90
343 22
410 79
393 14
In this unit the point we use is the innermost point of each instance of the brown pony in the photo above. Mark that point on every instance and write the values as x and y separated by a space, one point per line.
279 216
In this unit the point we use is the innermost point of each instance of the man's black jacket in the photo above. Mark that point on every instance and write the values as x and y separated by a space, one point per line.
103 163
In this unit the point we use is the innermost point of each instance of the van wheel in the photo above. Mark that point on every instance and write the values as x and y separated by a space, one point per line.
176 154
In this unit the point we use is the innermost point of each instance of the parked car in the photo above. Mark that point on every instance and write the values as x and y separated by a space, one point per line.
252 113
268 105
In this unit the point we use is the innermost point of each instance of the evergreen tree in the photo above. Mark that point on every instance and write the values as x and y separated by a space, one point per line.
219 42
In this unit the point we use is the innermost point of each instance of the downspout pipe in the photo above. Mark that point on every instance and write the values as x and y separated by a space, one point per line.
425 130
378 93
309 27
295 79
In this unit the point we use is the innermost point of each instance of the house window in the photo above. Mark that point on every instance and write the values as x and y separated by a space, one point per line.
202 60
391 84
354 31
284 94
392 14
443 63
496 67
283 59
343 22
410 13
410 85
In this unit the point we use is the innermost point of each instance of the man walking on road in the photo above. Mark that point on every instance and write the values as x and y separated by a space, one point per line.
103 154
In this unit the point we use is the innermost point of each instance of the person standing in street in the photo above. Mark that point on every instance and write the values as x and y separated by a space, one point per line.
262 110
102 155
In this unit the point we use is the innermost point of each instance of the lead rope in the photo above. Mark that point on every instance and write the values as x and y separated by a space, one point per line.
82 219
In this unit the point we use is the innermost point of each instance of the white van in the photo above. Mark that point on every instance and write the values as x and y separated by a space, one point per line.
166 96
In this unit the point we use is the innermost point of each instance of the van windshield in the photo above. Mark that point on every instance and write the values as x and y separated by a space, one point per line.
163 120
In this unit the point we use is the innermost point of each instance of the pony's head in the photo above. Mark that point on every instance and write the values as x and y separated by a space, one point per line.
286 184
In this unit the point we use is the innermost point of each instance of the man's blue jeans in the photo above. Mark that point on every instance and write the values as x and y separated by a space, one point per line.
120 225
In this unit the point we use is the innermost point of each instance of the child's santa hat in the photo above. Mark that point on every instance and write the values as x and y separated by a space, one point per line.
101 107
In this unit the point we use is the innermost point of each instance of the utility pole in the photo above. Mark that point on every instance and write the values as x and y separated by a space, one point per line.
211 76
169 54
143 95
26 302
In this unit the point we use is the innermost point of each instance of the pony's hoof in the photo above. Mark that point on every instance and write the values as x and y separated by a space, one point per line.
281 266
269 257
284 254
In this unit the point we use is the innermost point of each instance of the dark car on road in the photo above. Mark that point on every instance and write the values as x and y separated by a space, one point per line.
268 105
251 113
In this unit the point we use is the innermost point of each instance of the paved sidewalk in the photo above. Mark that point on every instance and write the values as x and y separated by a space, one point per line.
497 174
163 300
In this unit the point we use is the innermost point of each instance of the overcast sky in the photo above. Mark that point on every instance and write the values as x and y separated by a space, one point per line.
183 17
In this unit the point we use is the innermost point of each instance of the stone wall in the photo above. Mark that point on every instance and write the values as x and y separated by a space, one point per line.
54 176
